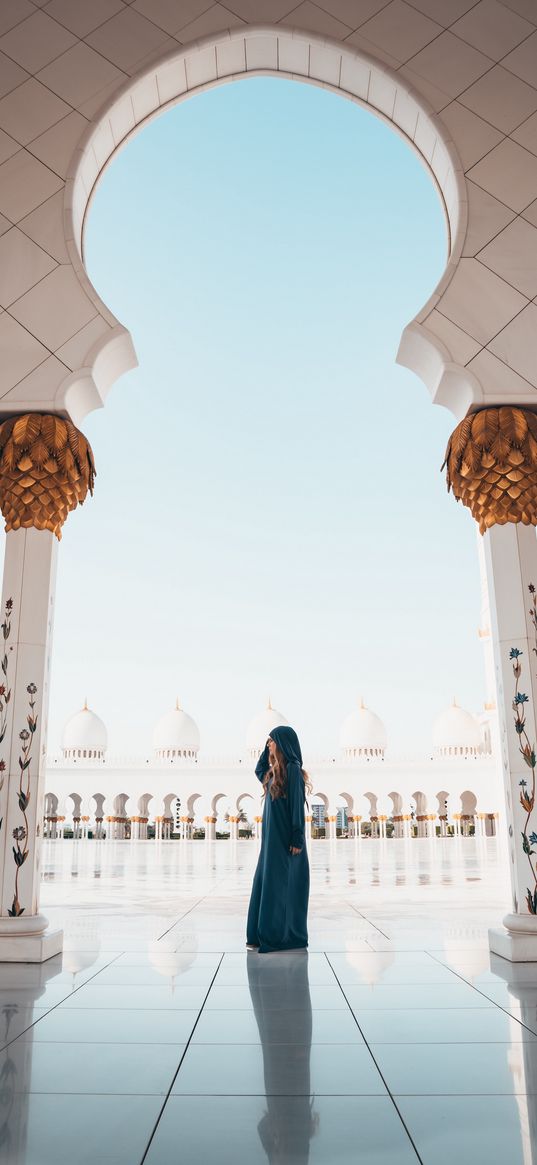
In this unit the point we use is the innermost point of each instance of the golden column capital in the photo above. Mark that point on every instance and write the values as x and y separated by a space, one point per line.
46 470
491 465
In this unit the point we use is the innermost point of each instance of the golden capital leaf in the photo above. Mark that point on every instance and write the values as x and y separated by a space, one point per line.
491 465
46 470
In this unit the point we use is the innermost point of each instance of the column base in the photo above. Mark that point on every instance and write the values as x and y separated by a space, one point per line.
519 947
28 939
31 948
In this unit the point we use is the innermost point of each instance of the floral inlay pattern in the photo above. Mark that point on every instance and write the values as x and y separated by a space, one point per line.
5 690
21 848
528 752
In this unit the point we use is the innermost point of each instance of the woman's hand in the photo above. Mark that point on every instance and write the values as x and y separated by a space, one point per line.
293 850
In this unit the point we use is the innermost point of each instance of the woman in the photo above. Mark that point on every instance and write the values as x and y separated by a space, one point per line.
277 915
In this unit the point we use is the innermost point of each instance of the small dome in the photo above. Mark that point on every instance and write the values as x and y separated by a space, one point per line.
457 733
260 727
84 736
176 735
362 735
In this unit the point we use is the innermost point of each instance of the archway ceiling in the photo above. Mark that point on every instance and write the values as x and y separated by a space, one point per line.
459 80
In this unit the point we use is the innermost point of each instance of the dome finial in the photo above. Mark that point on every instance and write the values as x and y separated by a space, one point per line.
261 726
84 734
363 735
176 734
456 732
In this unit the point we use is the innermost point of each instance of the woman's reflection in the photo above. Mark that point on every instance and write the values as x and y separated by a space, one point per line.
280 994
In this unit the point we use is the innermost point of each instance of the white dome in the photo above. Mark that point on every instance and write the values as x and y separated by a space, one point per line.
362 734
84 736
260 727
176 734
456 732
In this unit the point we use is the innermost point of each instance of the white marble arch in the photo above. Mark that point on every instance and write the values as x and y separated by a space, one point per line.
119 804
420 799
442 797
253 51
459 84
191 801
372 799
143 806
51 804
242 807
215 802
397 802
169 803
348 801
468 803
102 348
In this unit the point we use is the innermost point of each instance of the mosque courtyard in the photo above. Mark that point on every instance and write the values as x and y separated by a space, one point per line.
157 1038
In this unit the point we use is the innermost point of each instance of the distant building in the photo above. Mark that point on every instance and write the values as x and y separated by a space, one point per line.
176 791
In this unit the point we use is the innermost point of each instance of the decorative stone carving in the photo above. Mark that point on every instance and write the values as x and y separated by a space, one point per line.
491 465
46 470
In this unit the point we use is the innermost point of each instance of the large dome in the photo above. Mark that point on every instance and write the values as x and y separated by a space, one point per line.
362 735
176 735
457 733
260 727
84 736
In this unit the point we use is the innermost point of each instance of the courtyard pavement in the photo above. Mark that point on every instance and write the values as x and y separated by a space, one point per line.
157 1038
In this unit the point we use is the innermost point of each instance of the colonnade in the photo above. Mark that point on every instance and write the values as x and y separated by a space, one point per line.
46 469
403 826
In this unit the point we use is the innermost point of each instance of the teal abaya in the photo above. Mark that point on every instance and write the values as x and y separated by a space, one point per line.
278 911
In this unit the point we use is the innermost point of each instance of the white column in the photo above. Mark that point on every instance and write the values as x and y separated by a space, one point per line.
27 619
511 560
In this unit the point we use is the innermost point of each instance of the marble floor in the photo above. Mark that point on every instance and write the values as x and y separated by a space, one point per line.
157 1038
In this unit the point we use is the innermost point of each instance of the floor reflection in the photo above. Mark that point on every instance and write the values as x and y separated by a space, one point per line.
23 999
286 1128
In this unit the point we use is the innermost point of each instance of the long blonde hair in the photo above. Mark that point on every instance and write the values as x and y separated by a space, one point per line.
275 779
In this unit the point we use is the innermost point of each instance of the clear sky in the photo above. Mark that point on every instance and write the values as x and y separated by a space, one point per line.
269 515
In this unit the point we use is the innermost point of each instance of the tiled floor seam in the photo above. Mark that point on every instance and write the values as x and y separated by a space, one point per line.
373 1057
68 994
494 1002
176 1073
360 914
177 922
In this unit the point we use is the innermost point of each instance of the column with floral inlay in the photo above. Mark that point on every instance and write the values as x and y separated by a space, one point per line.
46 469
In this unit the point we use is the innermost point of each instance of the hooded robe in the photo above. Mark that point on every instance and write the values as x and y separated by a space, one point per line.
277 915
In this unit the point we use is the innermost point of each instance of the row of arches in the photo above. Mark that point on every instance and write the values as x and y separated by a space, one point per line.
139 817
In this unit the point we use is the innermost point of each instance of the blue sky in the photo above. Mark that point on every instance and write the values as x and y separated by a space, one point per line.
269 515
